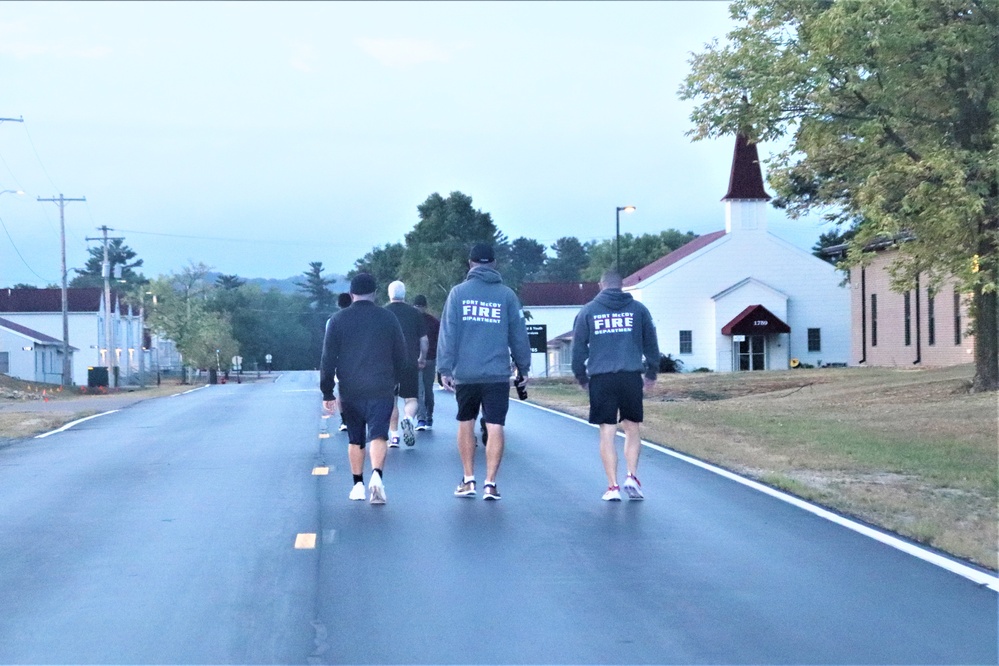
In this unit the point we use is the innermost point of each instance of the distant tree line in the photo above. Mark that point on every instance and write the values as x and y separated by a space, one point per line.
213 320
434 256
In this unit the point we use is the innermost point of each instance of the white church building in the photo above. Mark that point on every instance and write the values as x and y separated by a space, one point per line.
742 298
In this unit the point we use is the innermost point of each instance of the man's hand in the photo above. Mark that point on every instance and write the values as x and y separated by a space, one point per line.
648 383
330 406
421 363
447 382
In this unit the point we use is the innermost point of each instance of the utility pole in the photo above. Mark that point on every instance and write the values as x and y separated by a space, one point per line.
106 271
67 367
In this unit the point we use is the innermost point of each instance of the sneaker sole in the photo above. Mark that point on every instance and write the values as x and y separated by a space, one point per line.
465 494
408 435
634 493
377 496
493 498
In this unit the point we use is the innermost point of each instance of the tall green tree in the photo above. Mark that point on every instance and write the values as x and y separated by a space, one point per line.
123 261
436 255
317 287
570 260
527 259
384 264
837 236
891 108
269 323
229 282
636 252
181 311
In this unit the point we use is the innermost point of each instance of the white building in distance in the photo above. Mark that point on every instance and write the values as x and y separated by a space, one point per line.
742 298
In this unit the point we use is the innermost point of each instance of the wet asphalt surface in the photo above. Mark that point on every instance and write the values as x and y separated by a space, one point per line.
165 533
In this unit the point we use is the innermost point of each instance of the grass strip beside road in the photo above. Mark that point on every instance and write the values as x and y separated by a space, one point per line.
909 451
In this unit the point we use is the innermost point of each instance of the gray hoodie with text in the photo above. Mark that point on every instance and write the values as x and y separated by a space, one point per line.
611 334
481 327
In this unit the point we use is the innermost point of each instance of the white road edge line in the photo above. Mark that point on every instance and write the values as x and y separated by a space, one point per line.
73 423
963 570
189 391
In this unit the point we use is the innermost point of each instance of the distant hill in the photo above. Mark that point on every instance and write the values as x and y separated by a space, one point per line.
287 285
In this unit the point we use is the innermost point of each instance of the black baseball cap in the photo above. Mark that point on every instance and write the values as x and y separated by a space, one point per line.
363 284
482 253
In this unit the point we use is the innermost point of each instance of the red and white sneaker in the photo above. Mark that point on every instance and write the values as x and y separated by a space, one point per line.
633 488
613 494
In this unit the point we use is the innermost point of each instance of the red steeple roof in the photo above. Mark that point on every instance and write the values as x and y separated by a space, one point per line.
746 181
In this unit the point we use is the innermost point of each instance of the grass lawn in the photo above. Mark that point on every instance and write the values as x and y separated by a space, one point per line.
909 450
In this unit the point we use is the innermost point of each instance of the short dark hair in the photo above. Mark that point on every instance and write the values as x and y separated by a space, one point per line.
343 300
420 301
611 279
363 284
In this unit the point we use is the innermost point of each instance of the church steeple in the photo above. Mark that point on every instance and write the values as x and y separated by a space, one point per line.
746 199
746 181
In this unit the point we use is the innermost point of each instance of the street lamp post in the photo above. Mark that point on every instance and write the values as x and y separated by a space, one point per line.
617 235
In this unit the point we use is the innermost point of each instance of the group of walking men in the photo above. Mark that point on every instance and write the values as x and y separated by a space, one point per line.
380 354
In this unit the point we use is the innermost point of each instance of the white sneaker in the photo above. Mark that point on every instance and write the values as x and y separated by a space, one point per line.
343 426
633 488
613 494
377 489
393 442
408 433
357 492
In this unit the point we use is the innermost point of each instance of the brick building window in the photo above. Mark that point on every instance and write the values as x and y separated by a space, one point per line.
908 318
874 320
957 318
931 320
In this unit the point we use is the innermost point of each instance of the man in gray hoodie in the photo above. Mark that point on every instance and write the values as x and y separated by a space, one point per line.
610 336
482 326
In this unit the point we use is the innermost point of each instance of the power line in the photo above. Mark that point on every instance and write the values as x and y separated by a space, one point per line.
269 241
37 156
21 256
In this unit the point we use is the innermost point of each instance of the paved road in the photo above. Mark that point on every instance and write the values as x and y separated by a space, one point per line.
164 533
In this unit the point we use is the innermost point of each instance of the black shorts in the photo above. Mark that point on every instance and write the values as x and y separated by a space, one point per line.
367 419
493 398
616 393
409 383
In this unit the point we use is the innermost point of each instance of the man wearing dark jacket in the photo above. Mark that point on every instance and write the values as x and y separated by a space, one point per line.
481 327
365 351
425 406
610 336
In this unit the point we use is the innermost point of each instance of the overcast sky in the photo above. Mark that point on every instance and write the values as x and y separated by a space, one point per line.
258 137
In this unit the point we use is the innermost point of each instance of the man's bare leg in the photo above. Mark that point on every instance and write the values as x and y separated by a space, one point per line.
377 449
411 406
355 454
632 445
394 419
494 451
608 451
466 446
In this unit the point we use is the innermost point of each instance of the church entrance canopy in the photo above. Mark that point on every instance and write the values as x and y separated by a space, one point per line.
755 320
